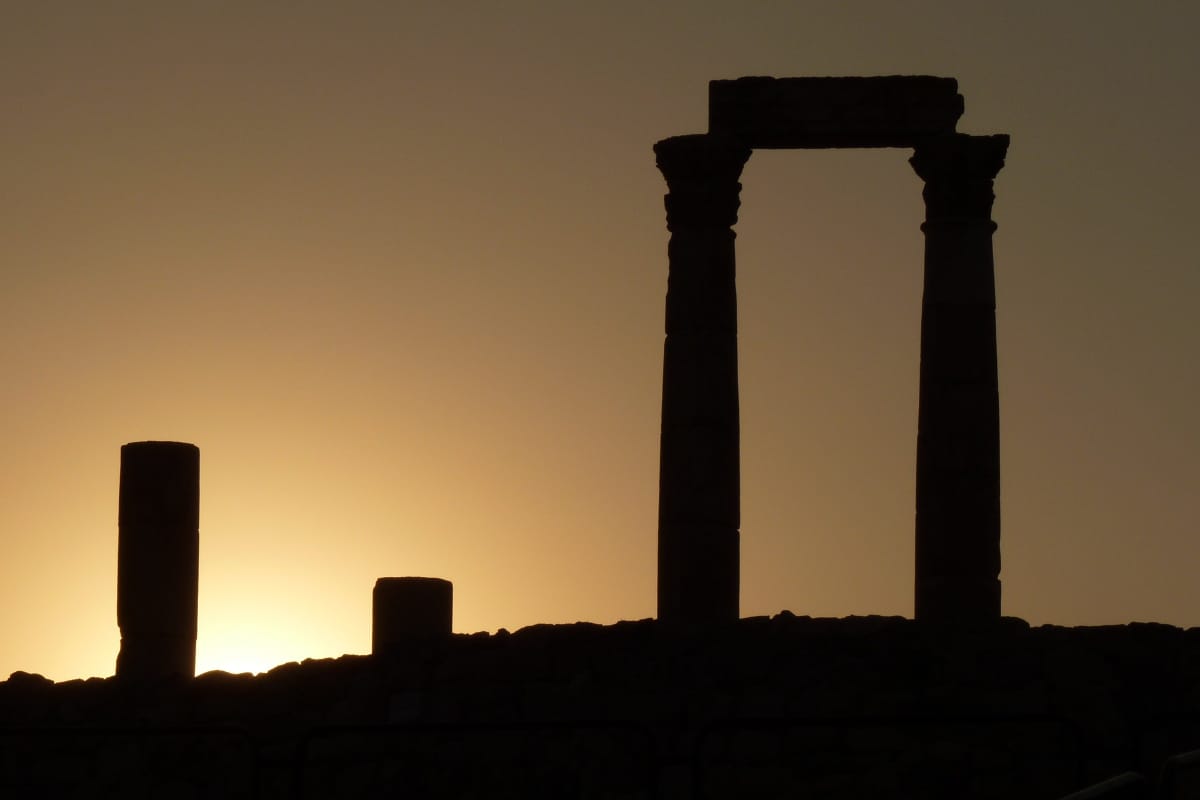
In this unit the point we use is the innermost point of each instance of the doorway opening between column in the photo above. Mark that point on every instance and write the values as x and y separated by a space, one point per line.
829 276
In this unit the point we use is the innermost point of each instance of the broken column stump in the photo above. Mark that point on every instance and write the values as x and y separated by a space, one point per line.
404 610
158 557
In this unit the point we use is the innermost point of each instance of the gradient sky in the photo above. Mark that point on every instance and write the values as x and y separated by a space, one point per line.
398 270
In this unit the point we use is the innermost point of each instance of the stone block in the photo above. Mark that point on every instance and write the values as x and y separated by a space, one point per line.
883 111
410 610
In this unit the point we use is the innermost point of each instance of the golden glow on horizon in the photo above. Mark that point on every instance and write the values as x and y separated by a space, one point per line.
241 648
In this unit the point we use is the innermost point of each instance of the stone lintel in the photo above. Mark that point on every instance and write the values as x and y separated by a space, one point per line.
885 111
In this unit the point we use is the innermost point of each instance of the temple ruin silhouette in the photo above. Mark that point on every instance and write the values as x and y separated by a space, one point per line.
958 438
959 702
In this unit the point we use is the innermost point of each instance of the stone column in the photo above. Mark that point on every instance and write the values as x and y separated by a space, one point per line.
958 427
158 557
699 483
407 609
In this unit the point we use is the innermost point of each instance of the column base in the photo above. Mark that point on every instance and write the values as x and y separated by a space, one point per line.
144 658
958 602
698 574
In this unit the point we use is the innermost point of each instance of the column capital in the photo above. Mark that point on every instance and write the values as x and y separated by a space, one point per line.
958 170
702 172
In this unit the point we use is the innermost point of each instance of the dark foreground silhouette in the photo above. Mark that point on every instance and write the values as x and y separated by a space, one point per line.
773 708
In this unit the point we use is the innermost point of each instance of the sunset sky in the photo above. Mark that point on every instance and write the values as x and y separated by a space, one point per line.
398 270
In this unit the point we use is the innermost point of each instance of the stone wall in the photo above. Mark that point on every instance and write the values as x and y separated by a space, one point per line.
781 707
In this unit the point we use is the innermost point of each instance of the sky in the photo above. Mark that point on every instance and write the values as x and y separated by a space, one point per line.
398 269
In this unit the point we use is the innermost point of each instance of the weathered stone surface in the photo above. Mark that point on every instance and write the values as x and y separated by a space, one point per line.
885 111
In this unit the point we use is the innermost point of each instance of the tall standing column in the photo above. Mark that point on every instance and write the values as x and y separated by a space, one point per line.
699 481
158 557
958 428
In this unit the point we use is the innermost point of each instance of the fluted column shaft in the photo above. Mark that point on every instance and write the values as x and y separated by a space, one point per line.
699 480
958 438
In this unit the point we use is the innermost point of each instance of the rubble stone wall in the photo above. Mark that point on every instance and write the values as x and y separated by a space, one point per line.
781 707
